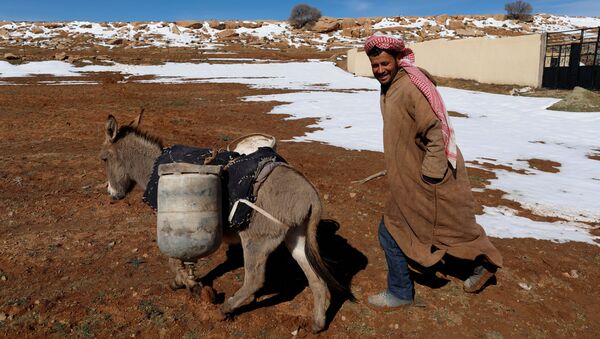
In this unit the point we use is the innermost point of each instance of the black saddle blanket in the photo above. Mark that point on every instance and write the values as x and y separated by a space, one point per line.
237 178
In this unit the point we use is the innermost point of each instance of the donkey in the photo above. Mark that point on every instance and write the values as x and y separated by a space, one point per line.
129 153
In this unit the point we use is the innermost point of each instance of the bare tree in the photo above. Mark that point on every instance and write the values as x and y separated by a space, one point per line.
304 16
518 10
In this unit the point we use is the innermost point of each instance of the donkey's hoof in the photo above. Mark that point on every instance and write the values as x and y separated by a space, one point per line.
318 326
195 289
226 308
207 295
225 315
174 285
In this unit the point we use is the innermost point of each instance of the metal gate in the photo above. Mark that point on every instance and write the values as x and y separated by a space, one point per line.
572 59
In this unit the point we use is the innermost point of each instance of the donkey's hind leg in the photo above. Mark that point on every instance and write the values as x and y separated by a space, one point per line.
295 242
257 248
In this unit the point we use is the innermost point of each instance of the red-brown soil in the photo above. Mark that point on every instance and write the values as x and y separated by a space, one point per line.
543 165
75 264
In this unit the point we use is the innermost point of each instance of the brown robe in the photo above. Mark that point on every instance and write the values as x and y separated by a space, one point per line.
426 220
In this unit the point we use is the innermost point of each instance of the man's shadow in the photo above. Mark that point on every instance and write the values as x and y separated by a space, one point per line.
284 278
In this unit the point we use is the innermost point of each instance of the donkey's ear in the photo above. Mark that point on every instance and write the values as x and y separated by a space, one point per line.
111 127
136 122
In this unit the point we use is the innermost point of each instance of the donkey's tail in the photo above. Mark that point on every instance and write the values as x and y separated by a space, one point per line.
315 260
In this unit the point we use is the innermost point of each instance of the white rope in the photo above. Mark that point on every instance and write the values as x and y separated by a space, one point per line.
260 210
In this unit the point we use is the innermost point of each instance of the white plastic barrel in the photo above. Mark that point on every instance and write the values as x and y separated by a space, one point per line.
189 224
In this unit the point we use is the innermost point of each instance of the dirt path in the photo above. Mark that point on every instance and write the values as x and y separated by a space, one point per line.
74 264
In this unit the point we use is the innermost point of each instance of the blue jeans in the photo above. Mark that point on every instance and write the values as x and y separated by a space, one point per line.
400 283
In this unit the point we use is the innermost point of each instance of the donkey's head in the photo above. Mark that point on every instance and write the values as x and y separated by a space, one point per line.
126 153
119 181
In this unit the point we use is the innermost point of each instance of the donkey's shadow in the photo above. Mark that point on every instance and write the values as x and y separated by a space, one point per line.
284 278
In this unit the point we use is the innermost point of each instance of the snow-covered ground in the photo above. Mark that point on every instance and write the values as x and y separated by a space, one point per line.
504 128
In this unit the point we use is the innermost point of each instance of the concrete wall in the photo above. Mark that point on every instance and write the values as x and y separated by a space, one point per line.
511 60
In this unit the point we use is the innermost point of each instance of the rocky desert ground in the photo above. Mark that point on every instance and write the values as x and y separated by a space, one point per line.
73 263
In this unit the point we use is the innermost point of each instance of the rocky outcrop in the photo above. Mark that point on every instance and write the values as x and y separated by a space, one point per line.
214 24
469 32
174 29
455 24
326 33
326 25
228 33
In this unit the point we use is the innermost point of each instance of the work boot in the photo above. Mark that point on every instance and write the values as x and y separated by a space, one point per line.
481 275
387 299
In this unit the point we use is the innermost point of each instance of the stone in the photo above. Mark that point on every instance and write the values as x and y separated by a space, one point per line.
252 39
356 33
348 23
326 25
347 32
60 56
36 30
499 17
441 19
192 24
455 24
251 24
525 26
364 22
10 56
525 286
232 24
175 29
469 32
228 33
214 24
139 26
115 42
4 34
53 25
434 29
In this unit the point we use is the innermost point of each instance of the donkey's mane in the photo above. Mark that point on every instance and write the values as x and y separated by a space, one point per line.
127 129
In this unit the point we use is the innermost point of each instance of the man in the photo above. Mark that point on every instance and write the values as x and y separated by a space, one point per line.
429 212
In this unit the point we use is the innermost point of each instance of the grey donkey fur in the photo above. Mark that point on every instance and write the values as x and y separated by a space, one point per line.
129 154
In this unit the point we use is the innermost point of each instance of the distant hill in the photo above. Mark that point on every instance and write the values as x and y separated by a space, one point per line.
328 33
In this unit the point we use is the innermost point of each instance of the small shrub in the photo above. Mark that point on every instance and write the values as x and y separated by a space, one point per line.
149 309
304 16
518 10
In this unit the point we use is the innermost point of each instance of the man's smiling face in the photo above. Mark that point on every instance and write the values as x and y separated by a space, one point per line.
384 66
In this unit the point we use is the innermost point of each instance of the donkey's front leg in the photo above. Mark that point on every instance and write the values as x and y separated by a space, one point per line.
184 276
257 248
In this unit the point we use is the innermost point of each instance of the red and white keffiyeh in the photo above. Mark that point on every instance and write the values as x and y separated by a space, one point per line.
423 83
